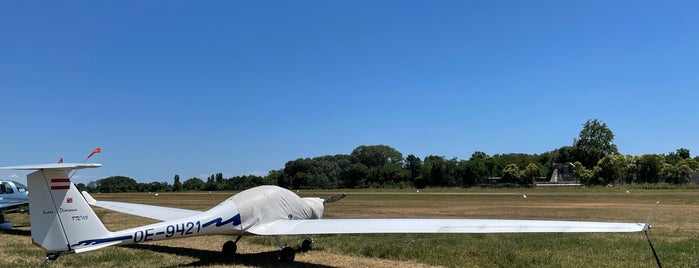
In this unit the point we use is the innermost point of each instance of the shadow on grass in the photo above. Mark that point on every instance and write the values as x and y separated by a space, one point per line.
208 257
17 232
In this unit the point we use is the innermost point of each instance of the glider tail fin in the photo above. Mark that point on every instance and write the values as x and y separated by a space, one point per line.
61 219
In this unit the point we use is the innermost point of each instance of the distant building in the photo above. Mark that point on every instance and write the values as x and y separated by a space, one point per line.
561 174
695 177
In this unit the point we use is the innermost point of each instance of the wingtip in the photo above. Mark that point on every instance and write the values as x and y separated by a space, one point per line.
647 225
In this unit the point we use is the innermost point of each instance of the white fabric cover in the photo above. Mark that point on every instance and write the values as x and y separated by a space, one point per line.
265 204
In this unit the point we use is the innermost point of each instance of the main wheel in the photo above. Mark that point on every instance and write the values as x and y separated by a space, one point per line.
229 248
287 254
306 245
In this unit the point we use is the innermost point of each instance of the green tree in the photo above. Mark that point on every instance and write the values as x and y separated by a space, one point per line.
564 154
385 164
611 168
595 141
631 168
678 173
476 168
683 153
177 185
81 187
413 164
529 174
649 167
116 184
584 175
510 174
377 155
193 184
434 170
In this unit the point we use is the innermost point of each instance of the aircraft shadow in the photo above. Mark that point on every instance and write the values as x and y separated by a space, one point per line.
208 257
16 232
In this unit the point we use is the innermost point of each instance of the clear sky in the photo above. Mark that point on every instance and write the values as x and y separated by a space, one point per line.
198 87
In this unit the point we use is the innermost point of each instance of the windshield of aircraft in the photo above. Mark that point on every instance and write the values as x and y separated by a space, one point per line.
20 187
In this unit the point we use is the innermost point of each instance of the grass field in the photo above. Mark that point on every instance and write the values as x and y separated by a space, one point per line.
675 233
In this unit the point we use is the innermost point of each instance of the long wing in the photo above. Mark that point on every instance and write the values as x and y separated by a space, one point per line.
369 226
147 211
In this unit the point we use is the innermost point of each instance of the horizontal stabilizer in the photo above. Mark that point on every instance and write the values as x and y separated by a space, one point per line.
368 226
54 166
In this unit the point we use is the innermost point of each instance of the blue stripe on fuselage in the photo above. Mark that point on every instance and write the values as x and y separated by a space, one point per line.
219 221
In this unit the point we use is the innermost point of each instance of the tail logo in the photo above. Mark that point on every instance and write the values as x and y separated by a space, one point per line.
60 184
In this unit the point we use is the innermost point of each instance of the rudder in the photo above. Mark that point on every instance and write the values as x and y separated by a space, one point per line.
60 217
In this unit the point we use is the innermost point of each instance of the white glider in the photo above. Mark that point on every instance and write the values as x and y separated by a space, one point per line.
63 221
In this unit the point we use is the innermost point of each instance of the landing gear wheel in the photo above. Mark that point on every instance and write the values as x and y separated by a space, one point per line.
287 254
52 256
306 245
229 248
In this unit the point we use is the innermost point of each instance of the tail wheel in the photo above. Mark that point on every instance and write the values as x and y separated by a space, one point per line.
229 248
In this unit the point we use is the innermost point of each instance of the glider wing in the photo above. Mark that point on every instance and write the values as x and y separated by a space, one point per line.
360 226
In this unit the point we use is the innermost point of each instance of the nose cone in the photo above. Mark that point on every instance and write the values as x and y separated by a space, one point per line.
316 205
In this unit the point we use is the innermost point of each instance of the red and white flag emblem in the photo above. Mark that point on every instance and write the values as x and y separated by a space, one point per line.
60 184
69 200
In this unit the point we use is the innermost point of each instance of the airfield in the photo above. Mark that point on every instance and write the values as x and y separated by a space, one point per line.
675 232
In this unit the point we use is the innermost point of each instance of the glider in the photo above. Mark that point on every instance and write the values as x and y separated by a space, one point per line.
14 198
63 221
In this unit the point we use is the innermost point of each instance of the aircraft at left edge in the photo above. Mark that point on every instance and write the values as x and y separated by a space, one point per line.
14 198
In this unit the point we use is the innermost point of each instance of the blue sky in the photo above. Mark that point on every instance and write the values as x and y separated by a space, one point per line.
193 87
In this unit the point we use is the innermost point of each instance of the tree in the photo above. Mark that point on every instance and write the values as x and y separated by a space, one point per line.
594 142
585 175
675 157
529 174
677 174
385 164
81 187
116 184
475 169
413 165
610 168
434 170
177 185
564 154
193 184
510 174
631 169
649 167
377 155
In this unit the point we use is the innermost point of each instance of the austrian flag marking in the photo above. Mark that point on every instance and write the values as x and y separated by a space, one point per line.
60 184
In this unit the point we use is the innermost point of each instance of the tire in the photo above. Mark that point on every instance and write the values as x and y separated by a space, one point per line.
306 245
287 254
229 248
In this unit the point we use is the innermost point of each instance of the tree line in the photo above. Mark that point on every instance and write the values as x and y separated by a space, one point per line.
593 156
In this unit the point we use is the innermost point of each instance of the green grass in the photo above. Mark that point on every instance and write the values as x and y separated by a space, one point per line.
675 234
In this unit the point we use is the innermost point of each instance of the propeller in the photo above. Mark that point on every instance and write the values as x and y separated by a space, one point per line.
334 198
